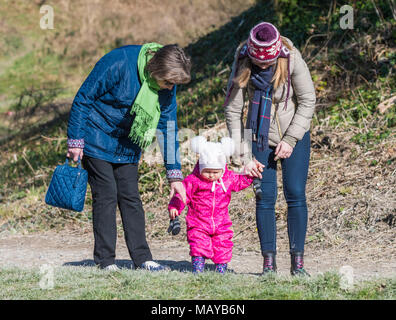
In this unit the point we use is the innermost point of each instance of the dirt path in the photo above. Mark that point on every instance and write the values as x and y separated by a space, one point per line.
70 248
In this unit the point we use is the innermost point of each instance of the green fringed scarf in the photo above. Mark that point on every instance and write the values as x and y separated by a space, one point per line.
146 105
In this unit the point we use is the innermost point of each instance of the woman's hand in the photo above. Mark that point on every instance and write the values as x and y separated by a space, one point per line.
173 213
178 187
74 153
283 150
254 168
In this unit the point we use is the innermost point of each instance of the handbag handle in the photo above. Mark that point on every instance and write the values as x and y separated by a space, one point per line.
79 173
78 162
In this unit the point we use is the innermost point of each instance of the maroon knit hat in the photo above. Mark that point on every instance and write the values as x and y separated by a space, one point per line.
264 43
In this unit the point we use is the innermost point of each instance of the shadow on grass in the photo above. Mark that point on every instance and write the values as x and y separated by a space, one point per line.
181 266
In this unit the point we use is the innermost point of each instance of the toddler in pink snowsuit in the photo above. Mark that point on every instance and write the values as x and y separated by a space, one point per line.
208 191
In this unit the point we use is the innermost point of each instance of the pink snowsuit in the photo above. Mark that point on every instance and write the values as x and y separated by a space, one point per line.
209 232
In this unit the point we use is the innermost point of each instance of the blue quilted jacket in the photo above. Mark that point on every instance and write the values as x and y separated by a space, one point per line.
100 119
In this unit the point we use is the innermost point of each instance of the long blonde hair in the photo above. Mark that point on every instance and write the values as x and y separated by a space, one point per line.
245 68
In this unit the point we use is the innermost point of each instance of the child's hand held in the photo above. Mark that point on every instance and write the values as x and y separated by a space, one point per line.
254 168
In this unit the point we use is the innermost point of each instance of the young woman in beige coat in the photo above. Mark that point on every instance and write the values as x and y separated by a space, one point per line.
269 73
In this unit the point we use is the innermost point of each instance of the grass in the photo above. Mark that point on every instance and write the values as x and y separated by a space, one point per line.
92 283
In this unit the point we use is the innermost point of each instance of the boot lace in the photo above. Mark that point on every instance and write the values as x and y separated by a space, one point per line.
268 263
299 262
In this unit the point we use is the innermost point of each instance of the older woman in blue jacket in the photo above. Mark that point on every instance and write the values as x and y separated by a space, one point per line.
128 97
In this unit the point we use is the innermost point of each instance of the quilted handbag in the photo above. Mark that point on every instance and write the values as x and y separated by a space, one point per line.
68 187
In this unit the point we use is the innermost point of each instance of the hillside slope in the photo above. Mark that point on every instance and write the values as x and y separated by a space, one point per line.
31 57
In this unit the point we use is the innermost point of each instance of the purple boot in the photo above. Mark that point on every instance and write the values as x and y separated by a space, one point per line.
221 268
198 264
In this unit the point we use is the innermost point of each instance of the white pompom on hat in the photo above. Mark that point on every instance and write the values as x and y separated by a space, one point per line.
212 155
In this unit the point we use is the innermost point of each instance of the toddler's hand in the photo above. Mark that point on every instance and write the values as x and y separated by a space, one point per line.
173 213
254 168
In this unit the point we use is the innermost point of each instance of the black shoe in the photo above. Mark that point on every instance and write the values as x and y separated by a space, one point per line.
269 265
297 265
174 226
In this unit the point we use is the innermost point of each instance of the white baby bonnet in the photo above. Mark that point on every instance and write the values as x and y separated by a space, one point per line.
213 155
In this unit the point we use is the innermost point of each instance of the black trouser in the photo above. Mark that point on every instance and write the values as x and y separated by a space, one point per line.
113 184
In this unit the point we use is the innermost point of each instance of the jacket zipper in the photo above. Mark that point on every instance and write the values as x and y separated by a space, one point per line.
278 123
213 207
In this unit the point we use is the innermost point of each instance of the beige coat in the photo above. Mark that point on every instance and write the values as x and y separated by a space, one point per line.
295 121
